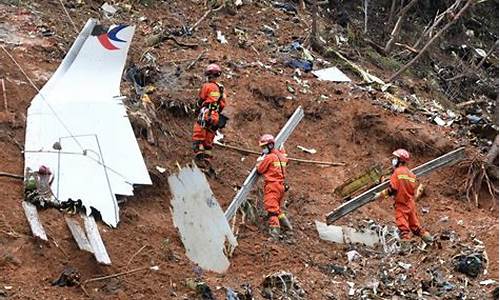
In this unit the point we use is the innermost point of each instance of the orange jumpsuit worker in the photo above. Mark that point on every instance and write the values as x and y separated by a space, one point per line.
273 165
402 188
211 101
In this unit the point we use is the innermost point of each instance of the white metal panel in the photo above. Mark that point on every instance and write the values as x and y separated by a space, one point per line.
81 109
200 220
331 74
32 215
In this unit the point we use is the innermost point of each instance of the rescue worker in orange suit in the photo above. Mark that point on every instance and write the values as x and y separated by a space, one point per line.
402 187
211 101
272 165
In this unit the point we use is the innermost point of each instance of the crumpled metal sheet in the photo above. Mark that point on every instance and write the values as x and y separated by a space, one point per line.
204 230
80 107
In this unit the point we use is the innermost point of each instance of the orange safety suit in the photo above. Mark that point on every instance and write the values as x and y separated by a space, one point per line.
273 167
211 102
403 185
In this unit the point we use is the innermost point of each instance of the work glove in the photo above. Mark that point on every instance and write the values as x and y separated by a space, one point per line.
381 195
260 158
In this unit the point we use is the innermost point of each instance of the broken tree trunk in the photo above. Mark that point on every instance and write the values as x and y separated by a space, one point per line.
493 152
315 44
368 196
438 34
492 160
397 28
365 10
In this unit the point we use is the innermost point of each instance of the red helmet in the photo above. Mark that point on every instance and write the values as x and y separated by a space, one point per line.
43 170
402 154
266 139
213 69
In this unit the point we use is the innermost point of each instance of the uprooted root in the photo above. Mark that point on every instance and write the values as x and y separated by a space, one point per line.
477 178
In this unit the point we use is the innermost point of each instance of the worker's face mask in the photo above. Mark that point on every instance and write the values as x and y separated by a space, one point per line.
394 162
265 150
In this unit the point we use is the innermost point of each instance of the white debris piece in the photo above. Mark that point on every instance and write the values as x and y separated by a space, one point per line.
221 38
488 282
353 255
352 291
307 150
81 109
444 219
196 213
109 10
481 52
331 74
154 268
161 169
439 121
404 265
346 235
218 137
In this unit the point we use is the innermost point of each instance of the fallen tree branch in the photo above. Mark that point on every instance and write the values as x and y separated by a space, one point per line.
438 34
196 60
4 96
290 158
116 275
5 174
470 102
407 47
397 27
135 254
487 55
205 15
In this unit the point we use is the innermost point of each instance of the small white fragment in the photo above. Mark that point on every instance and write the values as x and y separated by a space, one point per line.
488 282
353 255
308 150
404 266
154 268
160 169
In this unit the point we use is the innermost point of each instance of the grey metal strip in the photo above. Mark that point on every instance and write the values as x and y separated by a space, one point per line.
282 136
368 196
95 240
78 234
32 215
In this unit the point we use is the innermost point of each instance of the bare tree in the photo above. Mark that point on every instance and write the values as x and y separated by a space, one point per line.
429 29
493 152
365 9
397 27
315 44
438 34
391 14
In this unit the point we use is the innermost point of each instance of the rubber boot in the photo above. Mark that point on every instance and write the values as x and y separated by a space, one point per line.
284 222
275 232
427 238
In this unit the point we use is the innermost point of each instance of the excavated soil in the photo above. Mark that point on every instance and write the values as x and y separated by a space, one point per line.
346 127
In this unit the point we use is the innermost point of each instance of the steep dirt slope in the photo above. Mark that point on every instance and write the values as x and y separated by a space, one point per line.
339 128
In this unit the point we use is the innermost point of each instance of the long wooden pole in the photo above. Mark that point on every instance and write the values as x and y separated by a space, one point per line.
306 161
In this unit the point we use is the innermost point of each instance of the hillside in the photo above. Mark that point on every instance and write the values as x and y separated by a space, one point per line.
344 122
